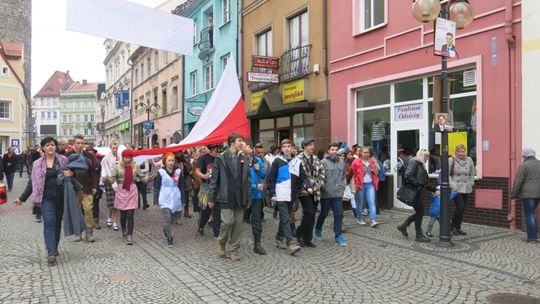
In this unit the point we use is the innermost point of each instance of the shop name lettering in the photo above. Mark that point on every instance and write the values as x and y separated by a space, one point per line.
294 95
410 112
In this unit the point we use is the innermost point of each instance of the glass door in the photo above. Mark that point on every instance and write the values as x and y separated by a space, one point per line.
407 139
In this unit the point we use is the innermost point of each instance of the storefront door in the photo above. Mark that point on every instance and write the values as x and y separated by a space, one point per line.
407 140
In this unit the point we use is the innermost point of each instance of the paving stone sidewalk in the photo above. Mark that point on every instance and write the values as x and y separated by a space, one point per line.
377 266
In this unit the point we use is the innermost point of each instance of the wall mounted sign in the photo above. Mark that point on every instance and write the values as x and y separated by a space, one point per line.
196 110
264 62
409 112
256 98
294 91
263 77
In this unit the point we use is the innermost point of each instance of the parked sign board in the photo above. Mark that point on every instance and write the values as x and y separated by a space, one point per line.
263 77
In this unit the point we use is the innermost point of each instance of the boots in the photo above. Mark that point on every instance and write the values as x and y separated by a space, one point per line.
403 229
186 212
421 238
90 238
170 242
428 231
280 243
258 249
178 218
221 250
129 240
96 223
293 247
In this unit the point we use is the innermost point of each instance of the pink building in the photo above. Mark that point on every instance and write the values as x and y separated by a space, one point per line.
382 70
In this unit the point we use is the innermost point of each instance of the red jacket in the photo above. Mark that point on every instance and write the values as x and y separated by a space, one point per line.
358 173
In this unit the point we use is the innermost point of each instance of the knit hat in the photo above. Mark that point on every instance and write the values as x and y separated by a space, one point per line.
127 153
341 151
528 152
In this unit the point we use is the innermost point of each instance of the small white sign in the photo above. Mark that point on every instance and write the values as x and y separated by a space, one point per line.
409 112
196 110
263 77
469 78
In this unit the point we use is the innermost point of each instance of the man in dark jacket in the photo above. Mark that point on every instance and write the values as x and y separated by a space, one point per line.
527 188
332 193
89 182
230 187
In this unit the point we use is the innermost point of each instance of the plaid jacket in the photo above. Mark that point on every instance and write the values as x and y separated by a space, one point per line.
315 177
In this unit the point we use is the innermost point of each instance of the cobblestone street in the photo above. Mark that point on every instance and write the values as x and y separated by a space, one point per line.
377 266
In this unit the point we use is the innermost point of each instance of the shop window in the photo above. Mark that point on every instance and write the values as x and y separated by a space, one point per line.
267 138
265 124
463 81
409 90
303 119
299 134
373 129
283 122
373 97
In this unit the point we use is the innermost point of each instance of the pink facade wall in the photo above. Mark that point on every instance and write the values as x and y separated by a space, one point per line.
404 45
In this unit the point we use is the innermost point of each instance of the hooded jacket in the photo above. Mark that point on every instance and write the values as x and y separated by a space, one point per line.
334 177
257 177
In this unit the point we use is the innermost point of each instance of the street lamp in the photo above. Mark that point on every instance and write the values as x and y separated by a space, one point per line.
148 108
462 13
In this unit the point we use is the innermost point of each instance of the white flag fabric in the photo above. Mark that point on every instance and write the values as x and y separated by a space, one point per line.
130 22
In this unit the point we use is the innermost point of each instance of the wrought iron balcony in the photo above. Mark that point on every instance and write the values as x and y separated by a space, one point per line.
294 63
206 42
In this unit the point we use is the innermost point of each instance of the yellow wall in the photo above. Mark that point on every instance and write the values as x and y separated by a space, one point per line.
11 90
260 15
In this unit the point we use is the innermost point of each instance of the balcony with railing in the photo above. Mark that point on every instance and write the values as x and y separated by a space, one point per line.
206 42
294 63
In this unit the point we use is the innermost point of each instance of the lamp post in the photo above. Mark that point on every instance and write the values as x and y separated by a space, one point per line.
148 108
461 12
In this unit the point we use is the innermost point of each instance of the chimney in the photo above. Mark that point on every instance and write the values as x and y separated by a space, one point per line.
85 82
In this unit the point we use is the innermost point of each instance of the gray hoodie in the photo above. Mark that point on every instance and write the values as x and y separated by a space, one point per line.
334 176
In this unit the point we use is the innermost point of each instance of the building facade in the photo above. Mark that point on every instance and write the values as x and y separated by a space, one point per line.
46 105
156 98
13 102
385 87
285 42
215 42
78 110
114 117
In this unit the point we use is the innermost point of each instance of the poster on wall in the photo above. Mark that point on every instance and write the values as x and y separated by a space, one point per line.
442 122
445 33
455 139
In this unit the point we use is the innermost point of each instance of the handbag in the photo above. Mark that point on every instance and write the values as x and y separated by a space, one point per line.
406 194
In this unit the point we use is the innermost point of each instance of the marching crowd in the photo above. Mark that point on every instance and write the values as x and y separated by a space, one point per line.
233 185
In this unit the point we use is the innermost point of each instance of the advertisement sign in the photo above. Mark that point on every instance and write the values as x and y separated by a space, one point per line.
445 37
196 110
122 99
14 142
263 77
409 112
256 99
264 62
294 91
148 125
455 139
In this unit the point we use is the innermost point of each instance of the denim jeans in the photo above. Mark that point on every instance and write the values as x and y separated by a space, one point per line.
284 230
51 212
10 176
366 193
337 209
529 206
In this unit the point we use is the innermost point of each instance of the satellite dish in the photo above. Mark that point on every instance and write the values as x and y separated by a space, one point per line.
176 138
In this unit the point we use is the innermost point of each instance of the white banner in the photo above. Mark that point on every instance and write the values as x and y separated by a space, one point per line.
130 22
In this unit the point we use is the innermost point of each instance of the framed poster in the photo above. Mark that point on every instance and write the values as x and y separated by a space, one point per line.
445 37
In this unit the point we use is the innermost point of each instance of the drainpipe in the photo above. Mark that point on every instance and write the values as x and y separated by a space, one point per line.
325 44
238 41
511 42
131 129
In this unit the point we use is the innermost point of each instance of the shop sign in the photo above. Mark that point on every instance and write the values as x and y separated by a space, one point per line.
256 98
263 77
196 110
409 112
264 62
148 125
125 126
294 91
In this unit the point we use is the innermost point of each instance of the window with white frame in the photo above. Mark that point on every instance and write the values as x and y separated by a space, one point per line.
295 62
136 74
174 97
49 115
298 30
156 61
92 117
194 78
209 76
142 72
64 118
195 32
226 11
5 71
148 66
55 115
42 115
78 117
5 111
372 13
85 117
225 60
165 58
264 43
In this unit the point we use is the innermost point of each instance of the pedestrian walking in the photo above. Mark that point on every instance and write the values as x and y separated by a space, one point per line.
258 175
332 193
366 179
168 188
126 174
462 173
10 167
142 187
108 163
99 192
282 189
416 177
204 173
527 188
47 193
230 187
314 171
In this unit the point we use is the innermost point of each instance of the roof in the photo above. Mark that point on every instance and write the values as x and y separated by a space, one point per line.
13 50
83 86
59 81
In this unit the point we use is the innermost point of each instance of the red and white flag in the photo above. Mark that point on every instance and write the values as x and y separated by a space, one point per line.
224 114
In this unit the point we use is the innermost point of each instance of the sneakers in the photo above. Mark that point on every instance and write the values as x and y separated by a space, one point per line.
77 238
170 242
293 247
129 240
374 224
109 223
234 256
365 212
403 229
429 234
422 238
221 250
51 260
115 227
38 218
340 240
361 222
280 243
318 234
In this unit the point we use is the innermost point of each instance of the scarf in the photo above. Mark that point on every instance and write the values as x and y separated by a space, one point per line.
128 177
39 169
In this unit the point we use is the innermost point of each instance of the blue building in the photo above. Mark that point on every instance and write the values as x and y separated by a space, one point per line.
215 42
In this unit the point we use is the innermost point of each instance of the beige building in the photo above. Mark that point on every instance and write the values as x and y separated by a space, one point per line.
156 97
13 102
285 62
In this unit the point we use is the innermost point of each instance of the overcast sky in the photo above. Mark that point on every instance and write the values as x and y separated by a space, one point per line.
55 48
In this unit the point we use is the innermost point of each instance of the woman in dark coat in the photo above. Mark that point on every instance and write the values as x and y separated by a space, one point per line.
10 161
